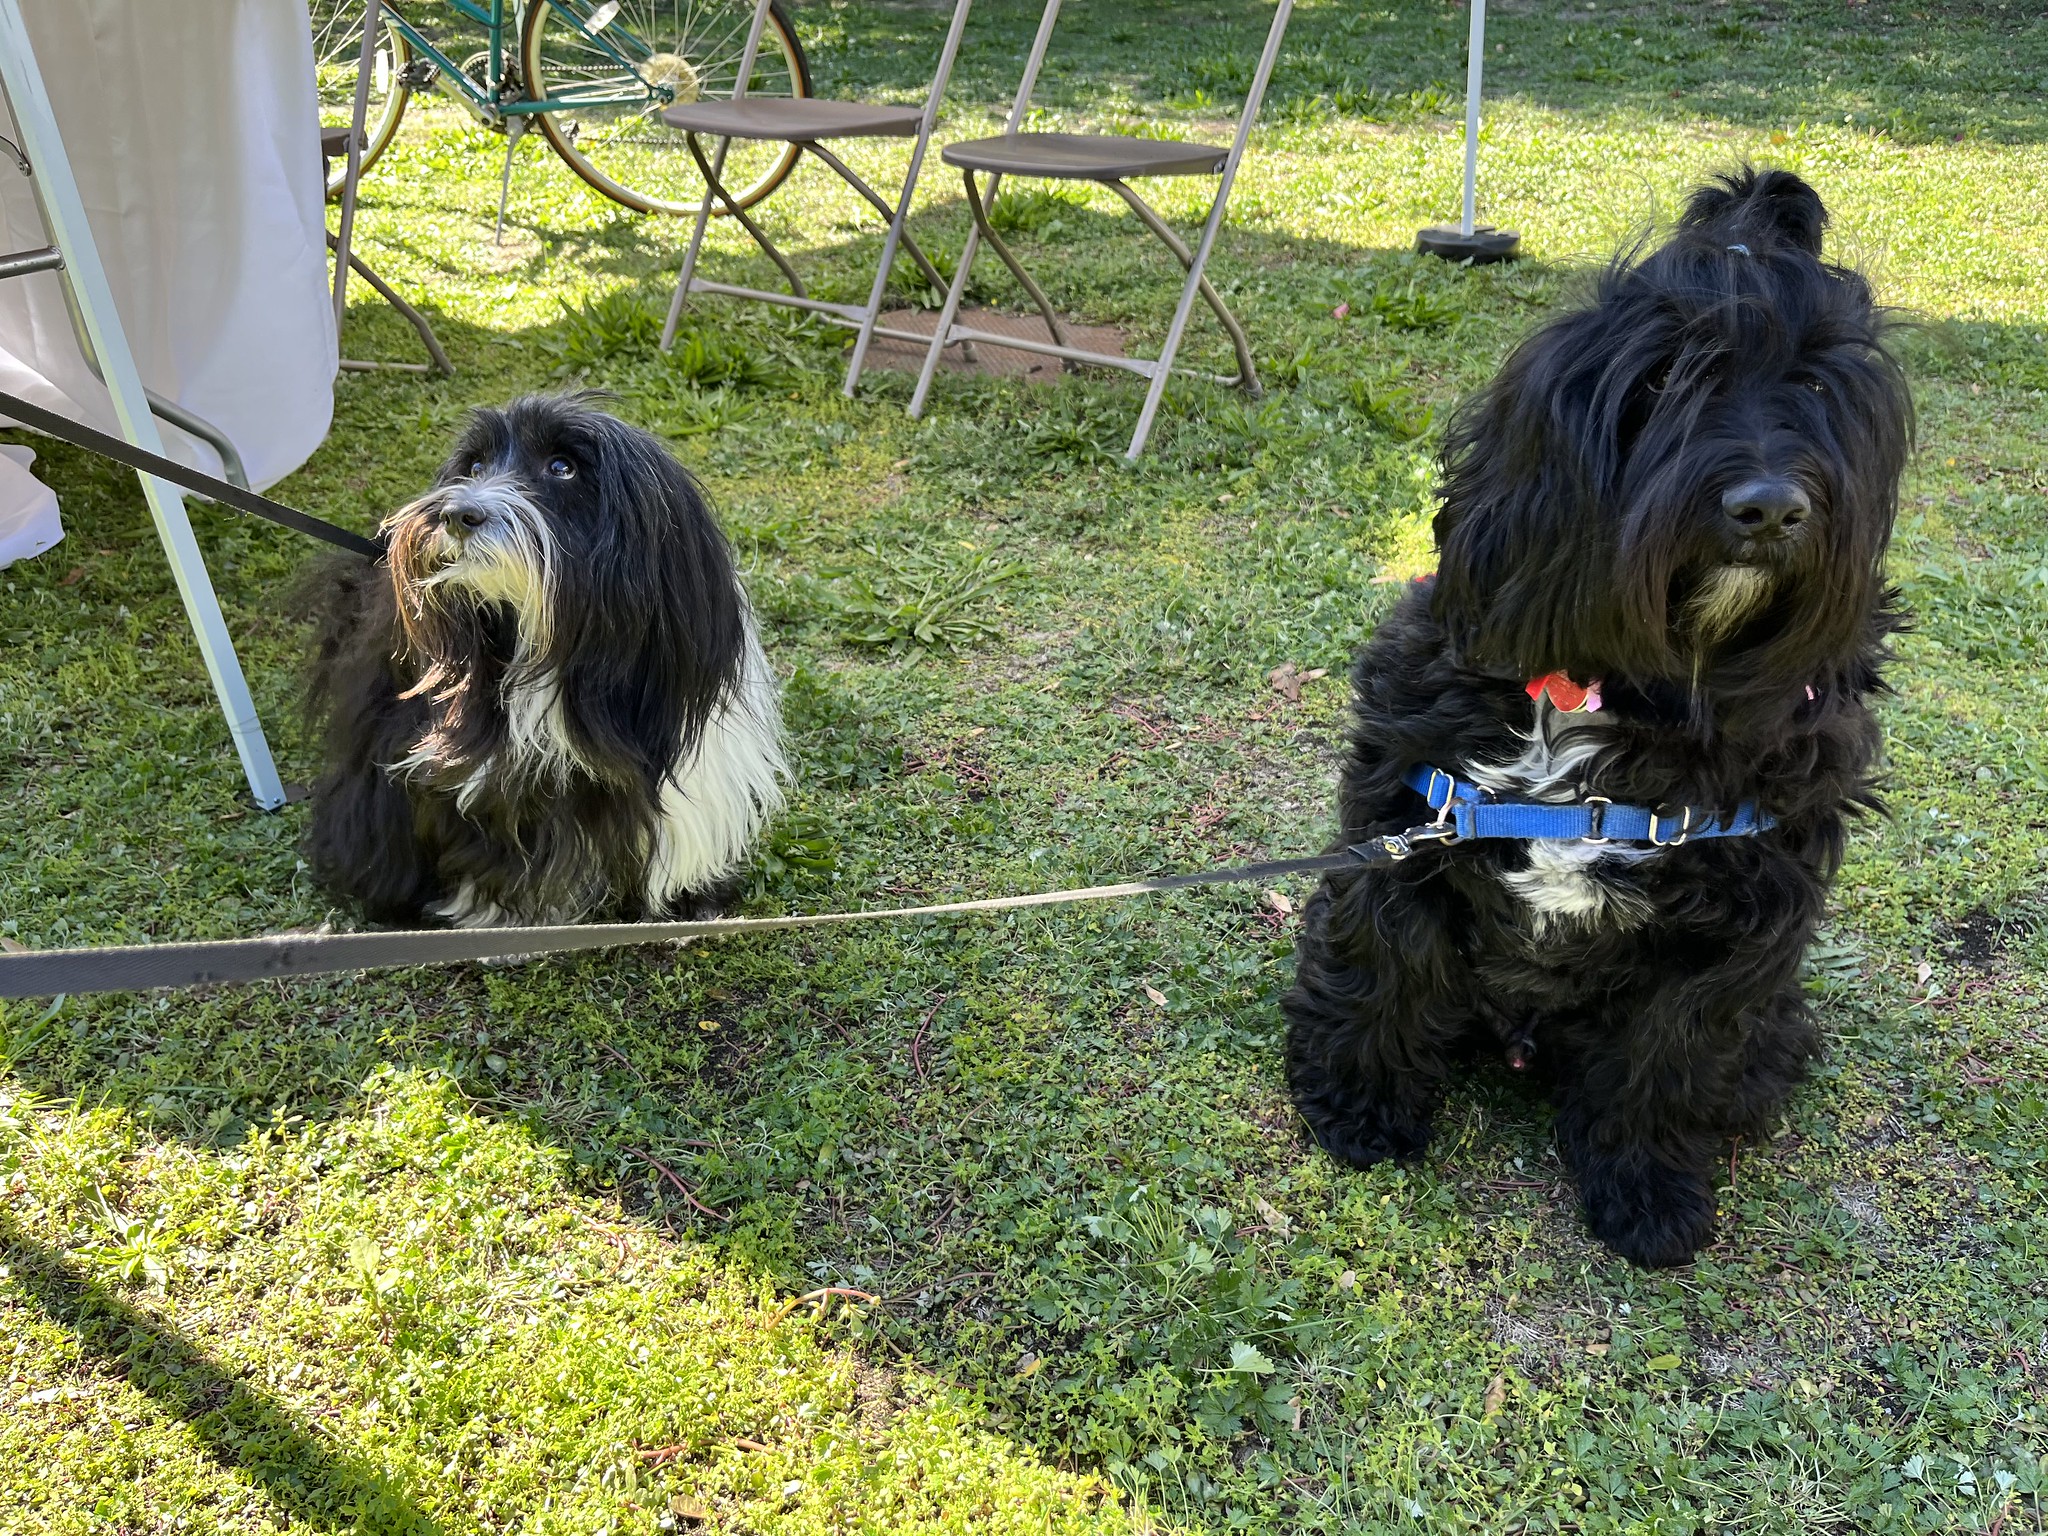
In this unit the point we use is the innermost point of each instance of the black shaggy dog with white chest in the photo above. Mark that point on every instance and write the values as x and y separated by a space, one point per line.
1661 588
548 701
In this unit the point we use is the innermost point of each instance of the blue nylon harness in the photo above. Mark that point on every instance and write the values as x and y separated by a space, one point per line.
1466 811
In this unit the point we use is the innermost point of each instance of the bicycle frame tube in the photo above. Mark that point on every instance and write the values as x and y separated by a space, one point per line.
576 14
448 67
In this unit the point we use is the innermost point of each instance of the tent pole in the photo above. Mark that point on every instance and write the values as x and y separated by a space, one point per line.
1475 60
64 212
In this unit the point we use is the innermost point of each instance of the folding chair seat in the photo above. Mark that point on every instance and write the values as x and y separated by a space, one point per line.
1110 160
334 146
805 123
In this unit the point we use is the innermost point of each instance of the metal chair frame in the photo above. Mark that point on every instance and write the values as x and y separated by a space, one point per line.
1195 263
334 144
863 318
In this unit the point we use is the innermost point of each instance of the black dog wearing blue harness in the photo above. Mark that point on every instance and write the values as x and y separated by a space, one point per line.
1601 764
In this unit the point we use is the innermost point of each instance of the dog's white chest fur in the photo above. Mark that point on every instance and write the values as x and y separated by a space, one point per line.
720 797
1562 886
712 807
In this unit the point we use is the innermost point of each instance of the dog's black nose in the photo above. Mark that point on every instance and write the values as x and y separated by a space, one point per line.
1767 507
461 518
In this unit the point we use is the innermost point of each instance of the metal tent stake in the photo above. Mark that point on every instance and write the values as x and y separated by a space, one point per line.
64 213
1476 243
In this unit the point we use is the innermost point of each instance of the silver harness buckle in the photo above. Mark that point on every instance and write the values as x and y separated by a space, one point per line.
1684 829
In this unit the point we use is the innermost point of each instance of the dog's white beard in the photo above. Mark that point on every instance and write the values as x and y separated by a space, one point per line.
510 560
1727 597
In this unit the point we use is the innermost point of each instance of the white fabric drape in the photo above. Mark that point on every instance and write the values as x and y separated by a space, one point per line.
193 129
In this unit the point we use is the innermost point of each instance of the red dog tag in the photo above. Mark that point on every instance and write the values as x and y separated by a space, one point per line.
1565 694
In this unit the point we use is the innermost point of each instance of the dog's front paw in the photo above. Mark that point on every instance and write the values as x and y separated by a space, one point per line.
1360 1130
1647 1211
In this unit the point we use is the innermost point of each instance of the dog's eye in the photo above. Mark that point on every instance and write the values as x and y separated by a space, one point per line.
561 468
1816 386
476 468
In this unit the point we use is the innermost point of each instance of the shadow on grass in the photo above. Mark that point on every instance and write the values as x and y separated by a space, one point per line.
246 1432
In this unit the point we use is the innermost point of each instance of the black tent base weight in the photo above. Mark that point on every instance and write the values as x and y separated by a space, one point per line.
1483 245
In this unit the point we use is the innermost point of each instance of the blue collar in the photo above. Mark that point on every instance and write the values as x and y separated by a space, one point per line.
1473 813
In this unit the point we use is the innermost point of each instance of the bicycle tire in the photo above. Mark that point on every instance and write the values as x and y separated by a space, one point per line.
337 55
657 160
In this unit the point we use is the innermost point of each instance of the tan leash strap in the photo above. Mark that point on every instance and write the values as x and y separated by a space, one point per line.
134 967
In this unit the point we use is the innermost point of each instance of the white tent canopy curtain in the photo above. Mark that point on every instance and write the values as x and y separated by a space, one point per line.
1468 240
176 164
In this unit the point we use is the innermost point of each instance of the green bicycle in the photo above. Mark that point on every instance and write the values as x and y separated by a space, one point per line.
593 74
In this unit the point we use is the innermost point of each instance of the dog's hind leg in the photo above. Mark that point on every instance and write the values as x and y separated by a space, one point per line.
362 842
1364 1063
1779 1044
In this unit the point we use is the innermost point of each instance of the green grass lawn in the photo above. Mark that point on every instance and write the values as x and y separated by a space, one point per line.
513 1248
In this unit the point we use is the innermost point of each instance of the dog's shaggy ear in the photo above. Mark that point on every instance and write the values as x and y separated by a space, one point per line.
1526 561
1753 202
652 626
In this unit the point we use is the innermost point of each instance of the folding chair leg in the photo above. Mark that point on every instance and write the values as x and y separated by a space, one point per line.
748 55
955 291
1247 371
1261 77
796 284
988 232
1163 369
391 296
689 272
897 236
895 216
901 213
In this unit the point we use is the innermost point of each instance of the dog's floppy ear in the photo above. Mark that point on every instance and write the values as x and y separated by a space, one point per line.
1526 561
1749 201
652 630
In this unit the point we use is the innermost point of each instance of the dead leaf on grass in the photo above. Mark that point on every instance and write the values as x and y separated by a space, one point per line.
1272 1215
1157 996
1279 902
1496 1394
1286 680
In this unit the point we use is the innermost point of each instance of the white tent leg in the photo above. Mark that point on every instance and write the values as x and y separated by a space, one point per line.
1475 64
37 124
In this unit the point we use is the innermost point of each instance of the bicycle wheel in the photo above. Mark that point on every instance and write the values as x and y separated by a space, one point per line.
337 55
614 66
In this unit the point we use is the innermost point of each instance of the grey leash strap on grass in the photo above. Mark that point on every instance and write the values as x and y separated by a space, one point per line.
135 967
121 451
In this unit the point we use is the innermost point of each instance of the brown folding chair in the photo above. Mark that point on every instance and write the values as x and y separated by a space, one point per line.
804 122
334 146
1108 159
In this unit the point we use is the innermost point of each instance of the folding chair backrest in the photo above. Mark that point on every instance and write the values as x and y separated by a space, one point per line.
1035 61
947 54
752 51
